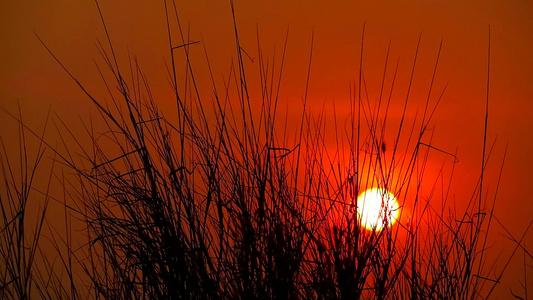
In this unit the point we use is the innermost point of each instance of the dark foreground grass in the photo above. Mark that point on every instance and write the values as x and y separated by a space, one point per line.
221 202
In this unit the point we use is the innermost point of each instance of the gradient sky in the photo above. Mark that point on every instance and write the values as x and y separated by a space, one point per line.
29 76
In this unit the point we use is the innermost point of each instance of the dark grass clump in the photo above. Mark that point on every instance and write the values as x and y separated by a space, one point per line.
219 202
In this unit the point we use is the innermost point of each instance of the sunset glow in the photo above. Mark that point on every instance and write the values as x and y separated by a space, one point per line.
266 149
377 208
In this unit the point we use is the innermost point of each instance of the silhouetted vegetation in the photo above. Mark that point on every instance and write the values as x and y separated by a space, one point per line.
223 201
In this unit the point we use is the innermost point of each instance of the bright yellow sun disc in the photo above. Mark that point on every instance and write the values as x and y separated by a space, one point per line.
377 208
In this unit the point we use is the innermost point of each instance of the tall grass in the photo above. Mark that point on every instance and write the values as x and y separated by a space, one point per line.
224 201
20 227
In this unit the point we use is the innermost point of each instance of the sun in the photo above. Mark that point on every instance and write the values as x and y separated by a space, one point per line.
377 208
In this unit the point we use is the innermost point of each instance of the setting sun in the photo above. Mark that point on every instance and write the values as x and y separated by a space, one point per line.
377 208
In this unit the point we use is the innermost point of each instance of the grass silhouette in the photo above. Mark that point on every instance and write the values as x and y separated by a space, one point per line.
220 202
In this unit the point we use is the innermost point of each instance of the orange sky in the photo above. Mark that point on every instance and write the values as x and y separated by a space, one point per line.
70 28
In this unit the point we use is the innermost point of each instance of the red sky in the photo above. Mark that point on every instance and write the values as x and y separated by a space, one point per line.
29 76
